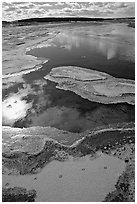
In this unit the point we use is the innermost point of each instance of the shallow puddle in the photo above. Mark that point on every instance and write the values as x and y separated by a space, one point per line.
75 180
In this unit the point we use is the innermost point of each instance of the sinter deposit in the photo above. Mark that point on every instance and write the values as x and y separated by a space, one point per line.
93 85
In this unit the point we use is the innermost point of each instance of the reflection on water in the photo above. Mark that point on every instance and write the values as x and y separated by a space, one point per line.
14 109
65 110
81 180
111 41
109 48
44 105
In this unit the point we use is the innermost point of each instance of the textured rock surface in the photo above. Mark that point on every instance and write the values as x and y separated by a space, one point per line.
18 194
93 85
125 186
28 152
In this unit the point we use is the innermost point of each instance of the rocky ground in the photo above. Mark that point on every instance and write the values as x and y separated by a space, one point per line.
125 186
18 194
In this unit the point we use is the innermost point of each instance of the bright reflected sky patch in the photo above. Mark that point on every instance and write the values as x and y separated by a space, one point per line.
13 109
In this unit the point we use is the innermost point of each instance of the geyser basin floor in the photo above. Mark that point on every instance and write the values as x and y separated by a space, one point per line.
80 180
104 47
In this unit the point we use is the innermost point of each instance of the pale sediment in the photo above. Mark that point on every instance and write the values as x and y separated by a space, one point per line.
18 58
93 85
24 71
14 55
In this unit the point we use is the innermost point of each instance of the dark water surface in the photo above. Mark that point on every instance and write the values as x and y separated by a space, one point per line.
108 48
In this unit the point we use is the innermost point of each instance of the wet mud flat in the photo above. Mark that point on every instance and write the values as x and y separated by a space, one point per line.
20 159
59 180
50 126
